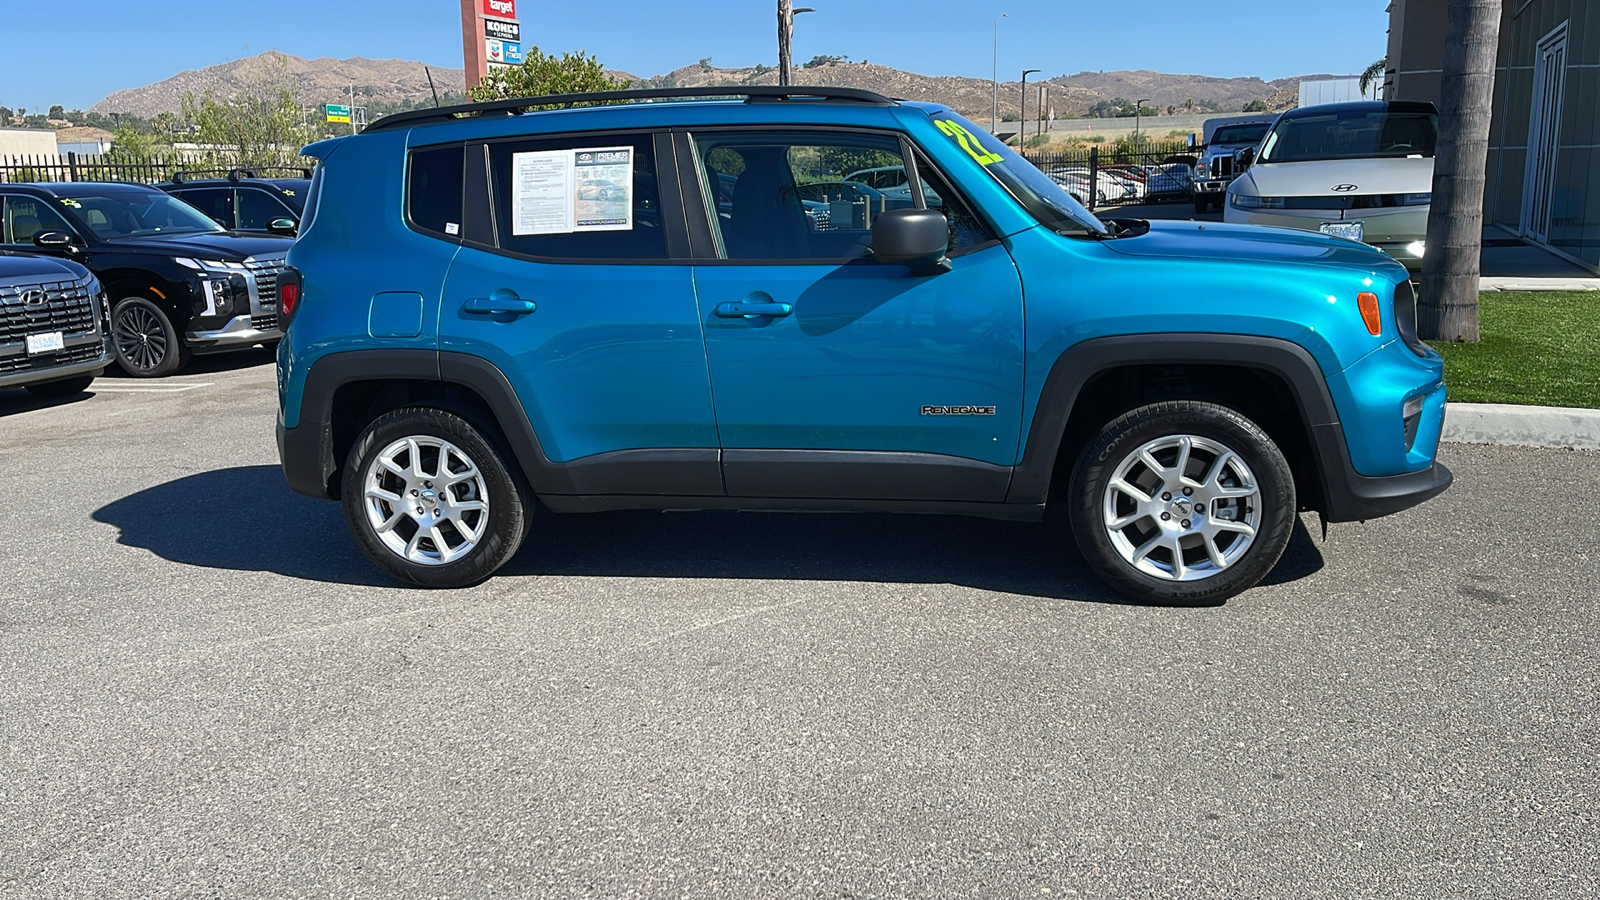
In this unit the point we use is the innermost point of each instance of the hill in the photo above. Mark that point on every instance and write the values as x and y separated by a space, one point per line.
398 83
386 82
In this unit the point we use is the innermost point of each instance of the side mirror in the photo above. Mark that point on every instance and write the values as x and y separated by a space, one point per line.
58 241
1247 156
918 238
284 226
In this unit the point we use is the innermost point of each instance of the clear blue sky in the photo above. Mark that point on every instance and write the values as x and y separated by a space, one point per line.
130 43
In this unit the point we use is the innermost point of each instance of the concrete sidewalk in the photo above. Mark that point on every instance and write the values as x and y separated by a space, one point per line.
1511 264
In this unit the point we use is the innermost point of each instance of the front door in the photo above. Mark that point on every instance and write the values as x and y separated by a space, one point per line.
836 376
565 281
1544 132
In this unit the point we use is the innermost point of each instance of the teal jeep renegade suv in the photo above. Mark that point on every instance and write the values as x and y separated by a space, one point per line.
672 299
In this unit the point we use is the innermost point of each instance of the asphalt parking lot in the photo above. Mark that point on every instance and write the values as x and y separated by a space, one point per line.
205 690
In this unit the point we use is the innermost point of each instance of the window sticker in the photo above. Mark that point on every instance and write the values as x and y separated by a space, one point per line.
566 191
969 143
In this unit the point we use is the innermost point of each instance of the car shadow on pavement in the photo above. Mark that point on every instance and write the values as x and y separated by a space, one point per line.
243 518
21 401
246 518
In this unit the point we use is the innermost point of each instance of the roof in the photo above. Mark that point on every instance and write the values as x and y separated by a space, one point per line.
1421 106
60 188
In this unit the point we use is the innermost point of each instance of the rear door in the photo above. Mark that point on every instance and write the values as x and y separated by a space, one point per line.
836 376
573 280
216 202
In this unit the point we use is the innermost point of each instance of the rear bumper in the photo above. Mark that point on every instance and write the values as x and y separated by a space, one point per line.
301 455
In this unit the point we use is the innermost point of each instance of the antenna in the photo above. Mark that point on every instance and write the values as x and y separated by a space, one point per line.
431 87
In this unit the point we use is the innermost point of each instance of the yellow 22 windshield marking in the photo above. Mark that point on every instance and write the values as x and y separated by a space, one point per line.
969 143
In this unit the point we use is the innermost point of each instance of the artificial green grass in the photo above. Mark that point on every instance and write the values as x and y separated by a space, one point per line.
1538 348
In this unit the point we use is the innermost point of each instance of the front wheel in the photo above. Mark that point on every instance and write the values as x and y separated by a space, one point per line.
1182 501
146 344
431 501
1201 204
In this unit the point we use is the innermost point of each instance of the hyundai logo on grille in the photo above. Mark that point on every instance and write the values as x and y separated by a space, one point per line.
1343 188
33 297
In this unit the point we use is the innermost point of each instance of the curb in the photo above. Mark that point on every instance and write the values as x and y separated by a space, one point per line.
1528 426
1509 283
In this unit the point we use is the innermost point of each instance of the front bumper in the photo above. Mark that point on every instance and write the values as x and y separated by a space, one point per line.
1348 497
88 356
240 331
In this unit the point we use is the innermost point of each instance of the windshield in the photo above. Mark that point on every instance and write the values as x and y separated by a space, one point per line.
1044 199
1240 134
1351 134
120 214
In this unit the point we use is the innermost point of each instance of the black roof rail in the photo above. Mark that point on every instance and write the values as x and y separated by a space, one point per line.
235 174
519 105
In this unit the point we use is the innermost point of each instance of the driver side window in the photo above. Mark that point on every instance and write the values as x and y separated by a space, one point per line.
25 217
799 195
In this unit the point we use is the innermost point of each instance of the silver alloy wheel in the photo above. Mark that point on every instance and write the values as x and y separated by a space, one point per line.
1182 508
426 500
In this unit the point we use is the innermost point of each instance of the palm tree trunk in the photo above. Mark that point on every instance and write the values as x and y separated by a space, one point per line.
1449 298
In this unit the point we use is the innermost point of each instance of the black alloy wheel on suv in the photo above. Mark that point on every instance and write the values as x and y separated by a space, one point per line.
178 283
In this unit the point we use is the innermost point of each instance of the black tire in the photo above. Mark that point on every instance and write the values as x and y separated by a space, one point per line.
64 388
1201 205
1116 445
508 499
146 344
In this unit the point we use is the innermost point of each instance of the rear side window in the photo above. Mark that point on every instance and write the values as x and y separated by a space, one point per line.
214 202
579 198
257 208
433 190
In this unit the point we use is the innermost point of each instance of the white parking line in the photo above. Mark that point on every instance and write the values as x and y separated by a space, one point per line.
170 389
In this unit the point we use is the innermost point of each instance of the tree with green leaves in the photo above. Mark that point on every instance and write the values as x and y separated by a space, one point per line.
259 124
539 75
1256 105
1373 74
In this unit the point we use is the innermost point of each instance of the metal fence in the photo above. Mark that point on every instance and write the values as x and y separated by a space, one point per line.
76 167
1122 175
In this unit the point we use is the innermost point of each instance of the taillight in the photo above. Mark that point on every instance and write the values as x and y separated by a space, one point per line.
288 293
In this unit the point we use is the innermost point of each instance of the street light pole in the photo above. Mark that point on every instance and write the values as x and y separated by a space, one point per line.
1138 110
1022 117
786 14
994 109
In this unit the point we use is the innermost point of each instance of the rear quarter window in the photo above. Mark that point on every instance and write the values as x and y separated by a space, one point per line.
434 190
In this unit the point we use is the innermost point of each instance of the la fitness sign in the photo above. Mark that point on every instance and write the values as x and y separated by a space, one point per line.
499 9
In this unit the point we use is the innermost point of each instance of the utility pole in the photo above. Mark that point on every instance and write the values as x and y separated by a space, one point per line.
994 109
1138 110
786 14
1448 305
1022 117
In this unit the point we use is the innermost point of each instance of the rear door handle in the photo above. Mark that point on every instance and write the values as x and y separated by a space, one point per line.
751 309
501 301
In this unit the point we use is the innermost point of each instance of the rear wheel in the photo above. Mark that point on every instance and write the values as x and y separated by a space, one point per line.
146 344
64 388
1182 501
431 501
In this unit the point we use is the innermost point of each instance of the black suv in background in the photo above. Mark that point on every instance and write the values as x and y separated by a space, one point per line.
241 200
178 282
53 325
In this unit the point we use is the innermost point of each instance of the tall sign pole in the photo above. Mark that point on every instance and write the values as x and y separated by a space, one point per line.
472 43
491 37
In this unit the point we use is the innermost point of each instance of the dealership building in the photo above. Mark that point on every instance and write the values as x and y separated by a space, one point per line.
1544 169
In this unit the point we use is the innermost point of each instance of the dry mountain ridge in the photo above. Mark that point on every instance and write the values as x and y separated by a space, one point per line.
394 81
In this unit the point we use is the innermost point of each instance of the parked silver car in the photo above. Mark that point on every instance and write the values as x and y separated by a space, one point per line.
1362 171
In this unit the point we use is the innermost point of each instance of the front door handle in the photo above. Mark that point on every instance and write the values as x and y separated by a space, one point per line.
502 301
751 309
